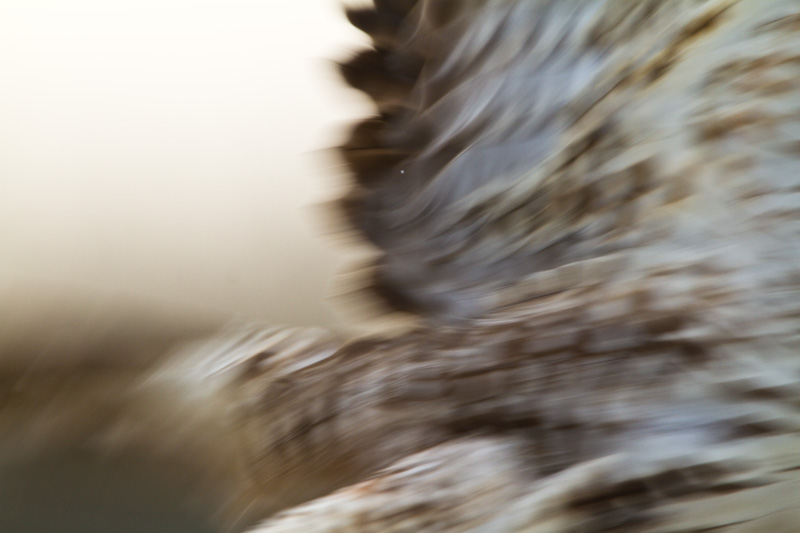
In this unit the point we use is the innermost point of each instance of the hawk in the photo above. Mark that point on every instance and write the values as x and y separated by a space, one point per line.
591 210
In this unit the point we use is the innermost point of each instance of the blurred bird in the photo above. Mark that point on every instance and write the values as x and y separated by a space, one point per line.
592 210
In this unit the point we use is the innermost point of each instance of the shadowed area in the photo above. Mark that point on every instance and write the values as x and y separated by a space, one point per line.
50 344
79 492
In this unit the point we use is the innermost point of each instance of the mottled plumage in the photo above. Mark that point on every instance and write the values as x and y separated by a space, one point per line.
593 210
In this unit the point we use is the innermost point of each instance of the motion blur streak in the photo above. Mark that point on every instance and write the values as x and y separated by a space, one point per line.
157 159
587 213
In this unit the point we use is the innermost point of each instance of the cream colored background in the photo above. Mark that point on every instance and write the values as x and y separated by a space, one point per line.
167 151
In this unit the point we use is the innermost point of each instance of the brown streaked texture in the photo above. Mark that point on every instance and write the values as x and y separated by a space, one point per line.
593 208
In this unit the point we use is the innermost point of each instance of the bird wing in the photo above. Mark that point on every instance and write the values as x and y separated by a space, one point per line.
513 138
601 198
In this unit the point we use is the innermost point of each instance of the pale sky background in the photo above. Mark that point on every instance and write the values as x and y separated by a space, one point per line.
165 150
158 164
